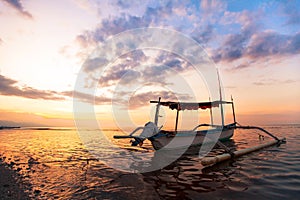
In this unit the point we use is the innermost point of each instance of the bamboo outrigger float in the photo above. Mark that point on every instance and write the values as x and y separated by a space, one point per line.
208 161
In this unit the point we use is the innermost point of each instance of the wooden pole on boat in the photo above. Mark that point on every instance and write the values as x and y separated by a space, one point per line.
157 112
211 115
233 112
176 123
221 99
208 161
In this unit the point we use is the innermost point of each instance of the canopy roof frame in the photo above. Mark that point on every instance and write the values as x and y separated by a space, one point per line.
191 105
178 106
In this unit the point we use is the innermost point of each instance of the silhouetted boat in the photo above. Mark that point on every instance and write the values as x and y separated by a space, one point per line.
184 138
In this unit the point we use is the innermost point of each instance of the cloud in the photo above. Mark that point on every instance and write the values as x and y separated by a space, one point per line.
265 82
8 88
128 99
244 65
94 63
259 45
167 65
291 10
137 68
1 41
154 15
212 10
98 100
17 5
123 68
82 40
140 100
113 77
212 5
203 35
111 26
234 45
252 42
239 67
271 43
230 36
179 15
232 48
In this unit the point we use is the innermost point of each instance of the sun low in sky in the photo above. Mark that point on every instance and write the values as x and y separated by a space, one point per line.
44 45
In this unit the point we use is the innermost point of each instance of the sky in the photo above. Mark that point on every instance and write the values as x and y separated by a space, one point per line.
45 45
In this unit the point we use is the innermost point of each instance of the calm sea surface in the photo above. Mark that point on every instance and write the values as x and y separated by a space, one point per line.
53 164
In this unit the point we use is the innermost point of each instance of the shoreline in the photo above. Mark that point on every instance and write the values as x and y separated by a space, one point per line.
11 187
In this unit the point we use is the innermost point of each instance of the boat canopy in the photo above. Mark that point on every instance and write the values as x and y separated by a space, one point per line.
191 105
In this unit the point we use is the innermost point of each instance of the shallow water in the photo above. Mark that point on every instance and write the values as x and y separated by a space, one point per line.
55 164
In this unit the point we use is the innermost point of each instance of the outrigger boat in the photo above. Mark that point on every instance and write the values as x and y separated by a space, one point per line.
193 137
179 139
213 134
175 139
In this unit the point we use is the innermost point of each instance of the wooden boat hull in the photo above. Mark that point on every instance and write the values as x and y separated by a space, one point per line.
185 139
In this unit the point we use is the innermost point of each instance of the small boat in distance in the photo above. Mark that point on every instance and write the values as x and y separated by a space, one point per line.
184 138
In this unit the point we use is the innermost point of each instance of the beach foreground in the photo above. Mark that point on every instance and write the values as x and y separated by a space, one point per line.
10 186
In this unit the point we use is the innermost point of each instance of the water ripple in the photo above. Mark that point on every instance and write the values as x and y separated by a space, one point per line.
55 164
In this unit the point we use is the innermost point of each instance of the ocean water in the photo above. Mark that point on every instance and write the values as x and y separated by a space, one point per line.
54 164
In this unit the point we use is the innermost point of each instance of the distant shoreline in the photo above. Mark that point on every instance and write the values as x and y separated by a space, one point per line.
9 127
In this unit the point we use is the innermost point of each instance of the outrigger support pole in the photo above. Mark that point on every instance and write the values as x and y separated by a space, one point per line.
259 128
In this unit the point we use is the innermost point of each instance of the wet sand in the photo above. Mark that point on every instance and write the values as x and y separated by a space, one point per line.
10 186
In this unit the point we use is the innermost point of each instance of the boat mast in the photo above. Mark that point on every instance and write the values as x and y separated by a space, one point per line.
221 100
211 115
233 112
176 123
157 112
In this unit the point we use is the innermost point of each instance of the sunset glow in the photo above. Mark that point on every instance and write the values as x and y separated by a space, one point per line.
44 44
